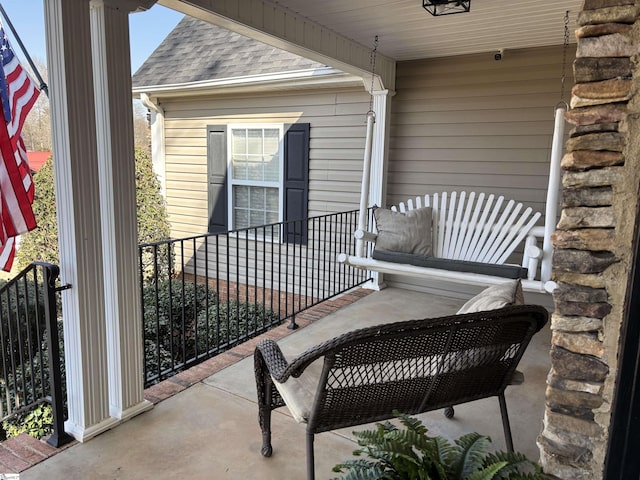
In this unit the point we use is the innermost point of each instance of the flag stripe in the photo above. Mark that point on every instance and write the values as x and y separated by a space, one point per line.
7 254
18 93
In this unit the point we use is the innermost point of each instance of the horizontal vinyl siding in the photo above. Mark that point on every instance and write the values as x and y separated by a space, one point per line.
337 140
471 123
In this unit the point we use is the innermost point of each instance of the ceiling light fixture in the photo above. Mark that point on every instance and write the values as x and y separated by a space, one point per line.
446 7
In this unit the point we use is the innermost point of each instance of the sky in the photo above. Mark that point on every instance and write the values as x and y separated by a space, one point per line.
147 29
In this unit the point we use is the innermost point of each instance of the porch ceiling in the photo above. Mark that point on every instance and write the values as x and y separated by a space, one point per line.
407 32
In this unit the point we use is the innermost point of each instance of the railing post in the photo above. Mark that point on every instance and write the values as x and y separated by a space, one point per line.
292 324
59 436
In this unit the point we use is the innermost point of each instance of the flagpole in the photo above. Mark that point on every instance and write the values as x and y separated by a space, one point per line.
43 86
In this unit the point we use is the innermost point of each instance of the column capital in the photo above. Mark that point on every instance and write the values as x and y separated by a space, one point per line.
128 6
383 93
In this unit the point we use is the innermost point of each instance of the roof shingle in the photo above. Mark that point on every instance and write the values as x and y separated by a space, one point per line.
196 50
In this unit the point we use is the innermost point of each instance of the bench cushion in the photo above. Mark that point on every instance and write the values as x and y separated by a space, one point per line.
298 393
408 232
496 270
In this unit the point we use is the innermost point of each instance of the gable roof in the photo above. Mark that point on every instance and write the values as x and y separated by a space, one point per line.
196 50
37 159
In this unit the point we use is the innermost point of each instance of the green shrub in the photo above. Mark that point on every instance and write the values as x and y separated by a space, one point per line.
184 320
37 422
153 222
42 242
409 453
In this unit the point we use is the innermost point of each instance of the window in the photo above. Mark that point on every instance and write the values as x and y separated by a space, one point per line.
255 175
258 175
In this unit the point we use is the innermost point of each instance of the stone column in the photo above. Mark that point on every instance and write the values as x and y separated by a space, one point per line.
592 257
116 165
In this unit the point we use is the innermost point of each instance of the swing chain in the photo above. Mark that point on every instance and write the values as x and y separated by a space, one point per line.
372 61
564 54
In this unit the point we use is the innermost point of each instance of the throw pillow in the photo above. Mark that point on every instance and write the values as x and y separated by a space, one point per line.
408 232
494 297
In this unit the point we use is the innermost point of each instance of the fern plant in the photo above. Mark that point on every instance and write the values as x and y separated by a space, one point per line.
411 454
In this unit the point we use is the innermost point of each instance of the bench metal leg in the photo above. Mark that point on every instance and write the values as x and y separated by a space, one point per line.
265 421
311 470
505 422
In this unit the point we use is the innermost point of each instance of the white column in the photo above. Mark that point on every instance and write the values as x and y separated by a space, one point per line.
380 153
78 208
116 163
379 161
157 139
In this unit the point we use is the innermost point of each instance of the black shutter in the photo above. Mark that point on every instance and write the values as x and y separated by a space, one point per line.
217 178
296 182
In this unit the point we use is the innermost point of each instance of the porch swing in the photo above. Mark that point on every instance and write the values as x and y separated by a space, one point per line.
458 236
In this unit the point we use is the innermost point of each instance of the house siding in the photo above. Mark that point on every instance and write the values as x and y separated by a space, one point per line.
337 121
471 123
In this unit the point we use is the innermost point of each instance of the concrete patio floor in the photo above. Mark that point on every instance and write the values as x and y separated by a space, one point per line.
210 430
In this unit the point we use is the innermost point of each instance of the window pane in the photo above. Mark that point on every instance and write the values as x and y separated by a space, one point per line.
240 218
241 196
255 168
239 141
257 218
254 146
271 142
272 169
239 164
272 202
257 195
271 217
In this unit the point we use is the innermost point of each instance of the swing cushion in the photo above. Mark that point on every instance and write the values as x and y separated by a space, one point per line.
495 297
408 233
496 270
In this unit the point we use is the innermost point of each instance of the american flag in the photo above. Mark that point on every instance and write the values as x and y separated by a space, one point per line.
18 93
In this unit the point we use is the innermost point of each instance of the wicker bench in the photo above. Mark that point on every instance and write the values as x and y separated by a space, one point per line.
411 366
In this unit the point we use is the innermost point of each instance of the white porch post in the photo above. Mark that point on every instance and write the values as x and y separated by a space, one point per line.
157 139
78 209
380 153
379 161
116 163
90 79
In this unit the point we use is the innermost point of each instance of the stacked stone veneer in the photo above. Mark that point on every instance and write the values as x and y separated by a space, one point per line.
593 242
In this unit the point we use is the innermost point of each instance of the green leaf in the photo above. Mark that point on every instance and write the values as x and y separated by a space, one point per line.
517 464
469 453
486 473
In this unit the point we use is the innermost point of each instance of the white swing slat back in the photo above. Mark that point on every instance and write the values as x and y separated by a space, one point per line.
492 233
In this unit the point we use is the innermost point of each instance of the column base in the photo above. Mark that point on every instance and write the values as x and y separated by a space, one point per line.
124 415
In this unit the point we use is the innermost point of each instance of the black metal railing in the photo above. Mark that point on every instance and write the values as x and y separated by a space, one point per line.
204 294
31 363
